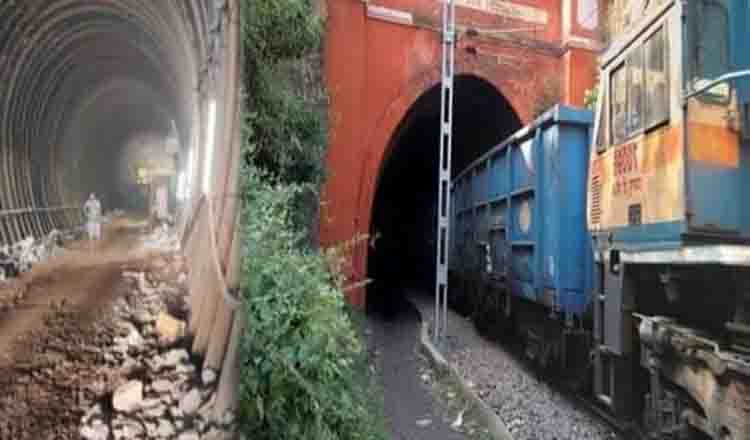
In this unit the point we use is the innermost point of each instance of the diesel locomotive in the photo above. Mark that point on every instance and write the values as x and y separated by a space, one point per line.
619 251
668 169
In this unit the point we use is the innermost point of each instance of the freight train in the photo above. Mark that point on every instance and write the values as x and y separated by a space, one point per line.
620 251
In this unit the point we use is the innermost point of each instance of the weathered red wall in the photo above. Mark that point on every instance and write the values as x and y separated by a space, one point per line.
375 71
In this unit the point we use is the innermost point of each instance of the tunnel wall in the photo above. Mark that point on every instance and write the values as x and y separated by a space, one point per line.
382 56
81 82
211 237
78 80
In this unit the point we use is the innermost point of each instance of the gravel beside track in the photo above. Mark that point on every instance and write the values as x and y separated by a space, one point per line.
530 408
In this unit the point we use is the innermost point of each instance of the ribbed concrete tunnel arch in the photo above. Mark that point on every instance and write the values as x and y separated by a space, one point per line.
403 223
81 81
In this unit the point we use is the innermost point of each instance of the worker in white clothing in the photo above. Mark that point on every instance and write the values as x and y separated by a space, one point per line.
93 211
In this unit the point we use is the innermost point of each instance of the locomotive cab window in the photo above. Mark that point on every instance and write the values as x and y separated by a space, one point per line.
657 84
639 89
618 111
709 45
635 88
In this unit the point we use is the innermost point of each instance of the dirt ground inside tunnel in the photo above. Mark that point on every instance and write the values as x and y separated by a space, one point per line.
50 366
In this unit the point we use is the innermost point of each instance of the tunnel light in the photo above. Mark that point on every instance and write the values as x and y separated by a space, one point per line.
208 163
181 186
189 174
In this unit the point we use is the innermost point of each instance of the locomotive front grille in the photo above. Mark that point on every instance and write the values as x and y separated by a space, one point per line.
596 207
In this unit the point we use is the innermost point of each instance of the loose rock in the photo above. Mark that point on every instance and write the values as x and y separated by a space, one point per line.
189 435
155 412
227 418
190 403
208 376
165 428
94 411
127 398
130 429
169 329
162 386
175 357
98 431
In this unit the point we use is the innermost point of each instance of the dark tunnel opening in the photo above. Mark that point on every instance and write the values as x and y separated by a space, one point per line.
87 90
403 227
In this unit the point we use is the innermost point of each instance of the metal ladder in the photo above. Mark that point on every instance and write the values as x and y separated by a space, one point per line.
444 173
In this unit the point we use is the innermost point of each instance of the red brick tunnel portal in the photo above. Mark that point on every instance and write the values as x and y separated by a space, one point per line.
402 250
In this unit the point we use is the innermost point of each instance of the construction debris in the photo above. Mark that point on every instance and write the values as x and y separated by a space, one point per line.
168 329
162 238
128 397
11 294
19 257
172 397
127 373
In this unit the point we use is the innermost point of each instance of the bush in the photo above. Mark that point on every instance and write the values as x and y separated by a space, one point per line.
304 374
303 369
591 97
279 29
549 95
285 127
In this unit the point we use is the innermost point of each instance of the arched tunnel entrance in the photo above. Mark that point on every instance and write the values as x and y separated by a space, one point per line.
87 89
403 227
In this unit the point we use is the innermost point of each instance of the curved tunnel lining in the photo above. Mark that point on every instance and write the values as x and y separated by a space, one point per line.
63 125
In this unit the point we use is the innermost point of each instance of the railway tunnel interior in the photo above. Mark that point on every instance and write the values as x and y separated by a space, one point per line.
88 90
403 225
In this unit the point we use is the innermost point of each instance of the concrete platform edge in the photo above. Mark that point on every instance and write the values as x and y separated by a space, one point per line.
492 422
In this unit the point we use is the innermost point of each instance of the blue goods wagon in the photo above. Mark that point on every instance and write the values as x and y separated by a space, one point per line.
519 219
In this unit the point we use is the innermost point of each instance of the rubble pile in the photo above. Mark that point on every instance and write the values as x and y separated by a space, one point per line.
120 371
11 294
20 256
163 394
61 371
162 238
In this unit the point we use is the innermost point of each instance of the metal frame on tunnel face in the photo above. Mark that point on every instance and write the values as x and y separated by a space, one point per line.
444 171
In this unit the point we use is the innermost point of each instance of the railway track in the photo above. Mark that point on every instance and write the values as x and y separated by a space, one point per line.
623 430
583 401
530 404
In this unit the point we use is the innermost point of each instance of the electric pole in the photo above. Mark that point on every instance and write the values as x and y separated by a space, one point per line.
444 172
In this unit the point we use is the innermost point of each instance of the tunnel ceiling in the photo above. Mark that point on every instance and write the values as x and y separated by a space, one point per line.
78 80
404 211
